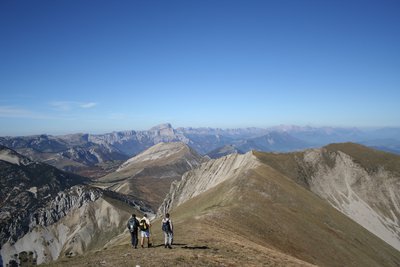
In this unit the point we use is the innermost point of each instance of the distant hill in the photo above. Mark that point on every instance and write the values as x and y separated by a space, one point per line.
223 151
274 142
70 152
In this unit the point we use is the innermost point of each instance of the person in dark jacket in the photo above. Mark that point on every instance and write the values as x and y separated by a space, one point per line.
133 225
168 229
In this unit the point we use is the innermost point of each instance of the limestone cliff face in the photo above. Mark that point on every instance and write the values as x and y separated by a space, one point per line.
206 176
27 188
51 212
44 236
134 142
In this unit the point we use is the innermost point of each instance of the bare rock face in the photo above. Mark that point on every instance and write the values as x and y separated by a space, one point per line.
369 197
207 176
26 188
43 214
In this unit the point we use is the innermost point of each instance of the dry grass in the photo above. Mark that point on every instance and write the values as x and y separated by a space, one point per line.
369 158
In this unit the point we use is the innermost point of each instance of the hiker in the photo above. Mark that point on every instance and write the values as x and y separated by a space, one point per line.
168 230
144 225
133 225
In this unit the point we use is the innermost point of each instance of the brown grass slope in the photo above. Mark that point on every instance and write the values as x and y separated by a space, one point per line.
370 159
361 182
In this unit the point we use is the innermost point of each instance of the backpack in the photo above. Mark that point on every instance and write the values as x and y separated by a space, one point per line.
166 227
143 225
132 224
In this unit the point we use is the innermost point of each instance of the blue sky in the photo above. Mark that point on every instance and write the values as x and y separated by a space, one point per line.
99 66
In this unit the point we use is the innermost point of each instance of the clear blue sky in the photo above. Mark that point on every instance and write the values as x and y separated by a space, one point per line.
98 66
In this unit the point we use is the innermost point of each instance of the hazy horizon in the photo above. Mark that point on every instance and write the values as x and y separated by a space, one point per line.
271 127
97 67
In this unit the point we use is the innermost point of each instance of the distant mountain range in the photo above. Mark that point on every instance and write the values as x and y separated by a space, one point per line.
89 154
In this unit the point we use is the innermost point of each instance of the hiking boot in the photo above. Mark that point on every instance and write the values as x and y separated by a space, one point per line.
169 246
165 246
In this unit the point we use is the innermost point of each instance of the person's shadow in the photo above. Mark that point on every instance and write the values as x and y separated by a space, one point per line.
184 246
